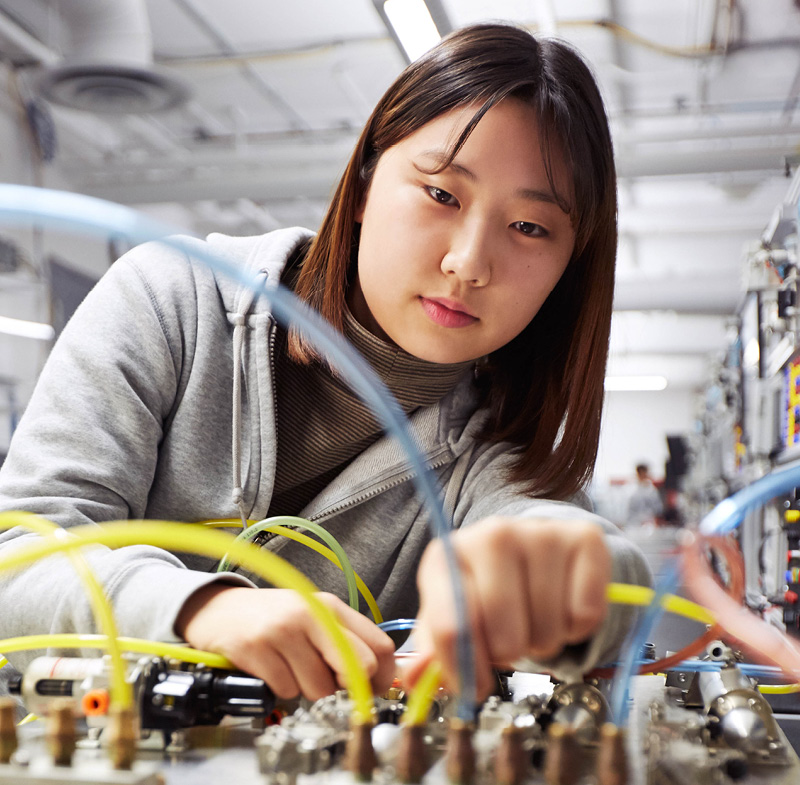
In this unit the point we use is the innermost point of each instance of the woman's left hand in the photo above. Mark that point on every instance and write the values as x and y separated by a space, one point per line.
532 587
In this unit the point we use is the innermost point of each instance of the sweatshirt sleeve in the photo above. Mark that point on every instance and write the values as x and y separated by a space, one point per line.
485 492
86 451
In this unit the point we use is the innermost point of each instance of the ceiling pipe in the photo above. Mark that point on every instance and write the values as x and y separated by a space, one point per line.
108 61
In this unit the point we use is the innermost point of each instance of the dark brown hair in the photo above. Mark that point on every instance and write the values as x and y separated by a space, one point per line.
544 389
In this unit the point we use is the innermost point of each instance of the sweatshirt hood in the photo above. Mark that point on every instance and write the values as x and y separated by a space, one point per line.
450 426
267 254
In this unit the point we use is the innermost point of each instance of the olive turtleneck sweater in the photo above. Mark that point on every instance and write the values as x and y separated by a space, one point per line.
323 424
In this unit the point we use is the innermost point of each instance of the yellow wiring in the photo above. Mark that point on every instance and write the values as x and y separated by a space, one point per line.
321 549
26 719
624 594
121 691
209 542
421 697
226 523
66 640
778 689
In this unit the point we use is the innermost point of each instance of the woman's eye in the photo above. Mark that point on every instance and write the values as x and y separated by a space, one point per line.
530 229
440 195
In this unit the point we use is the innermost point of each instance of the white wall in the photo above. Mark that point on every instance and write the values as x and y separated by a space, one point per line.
635 427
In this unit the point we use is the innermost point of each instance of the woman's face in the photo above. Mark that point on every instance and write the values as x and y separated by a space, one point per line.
452 266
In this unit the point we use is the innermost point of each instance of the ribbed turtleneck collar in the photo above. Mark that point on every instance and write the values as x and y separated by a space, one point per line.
412 381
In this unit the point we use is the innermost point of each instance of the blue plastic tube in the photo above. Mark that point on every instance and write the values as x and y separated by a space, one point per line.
78 213
724 518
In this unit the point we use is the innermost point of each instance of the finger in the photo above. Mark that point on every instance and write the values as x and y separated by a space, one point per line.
380 644
265 663
413 666
367 630
383 671
504 606
590 573
378 662
311 672
546 572
438 625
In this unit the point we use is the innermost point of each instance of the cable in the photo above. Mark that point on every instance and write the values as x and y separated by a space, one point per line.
225 523
315 546
331 557
65 640
421 697
121 692
728 514
620 687
396 625
286 521
631 594
754 633
643 596
213 543
778 689
69 211
723 518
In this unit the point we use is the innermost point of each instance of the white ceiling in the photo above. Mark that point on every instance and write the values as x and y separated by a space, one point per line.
702 96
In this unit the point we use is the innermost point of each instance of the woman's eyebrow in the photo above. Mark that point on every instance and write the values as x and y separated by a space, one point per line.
441 158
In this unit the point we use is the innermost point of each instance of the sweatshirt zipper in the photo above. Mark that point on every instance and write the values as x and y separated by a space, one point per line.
273 329
366 495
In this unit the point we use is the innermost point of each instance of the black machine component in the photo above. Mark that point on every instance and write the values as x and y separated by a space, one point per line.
173 699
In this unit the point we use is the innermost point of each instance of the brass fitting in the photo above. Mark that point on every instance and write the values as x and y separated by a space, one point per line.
61 732
412 755
360 756
122 737
612 760
8 729
563 756
460 756
510 764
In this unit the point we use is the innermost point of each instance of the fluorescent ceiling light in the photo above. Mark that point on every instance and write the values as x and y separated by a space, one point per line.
25 329
635 383
413 24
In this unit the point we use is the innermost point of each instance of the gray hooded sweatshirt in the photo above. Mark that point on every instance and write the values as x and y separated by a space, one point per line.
132 418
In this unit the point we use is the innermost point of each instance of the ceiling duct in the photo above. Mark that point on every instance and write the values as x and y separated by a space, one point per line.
108 61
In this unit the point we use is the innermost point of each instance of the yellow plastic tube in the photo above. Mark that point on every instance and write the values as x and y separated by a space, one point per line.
625 594
66 640
325 551
321 549
421 697
639 595
214 544
778 689
121 691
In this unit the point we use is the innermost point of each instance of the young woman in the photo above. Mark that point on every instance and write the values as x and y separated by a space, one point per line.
468 253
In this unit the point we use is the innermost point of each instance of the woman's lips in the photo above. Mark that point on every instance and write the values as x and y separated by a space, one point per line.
443 314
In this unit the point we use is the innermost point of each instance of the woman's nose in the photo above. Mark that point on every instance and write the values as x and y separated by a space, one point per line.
469 255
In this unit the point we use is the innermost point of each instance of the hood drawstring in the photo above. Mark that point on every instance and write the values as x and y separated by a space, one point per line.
239 322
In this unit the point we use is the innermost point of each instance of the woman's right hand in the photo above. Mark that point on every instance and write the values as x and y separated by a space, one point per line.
272 634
